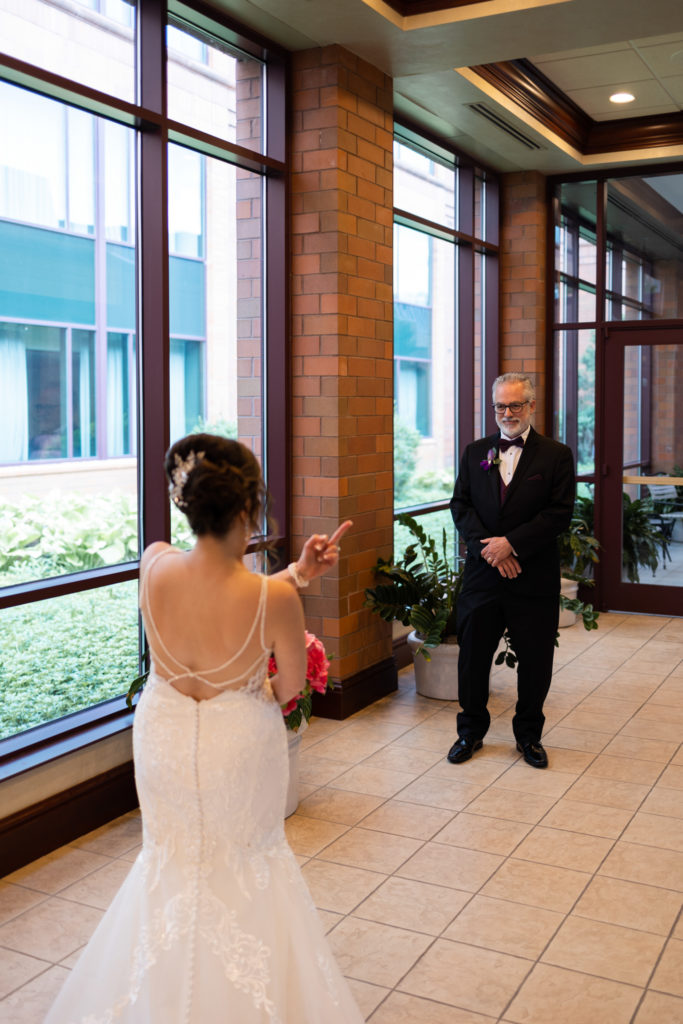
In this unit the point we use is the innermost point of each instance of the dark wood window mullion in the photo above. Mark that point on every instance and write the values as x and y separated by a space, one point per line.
464 314
465 346
491 313
90 579
492 214
571 342
152 276
601 340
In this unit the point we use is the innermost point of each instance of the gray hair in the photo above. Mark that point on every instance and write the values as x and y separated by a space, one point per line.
515 378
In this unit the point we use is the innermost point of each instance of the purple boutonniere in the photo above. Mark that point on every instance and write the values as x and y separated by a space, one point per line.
492 459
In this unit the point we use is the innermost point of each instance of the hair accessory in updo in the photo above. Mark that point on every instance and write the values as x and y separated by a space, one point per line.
179 475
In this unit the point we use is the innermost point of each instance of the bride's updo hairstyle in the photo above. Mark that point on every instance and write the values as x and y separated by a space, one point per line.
212 479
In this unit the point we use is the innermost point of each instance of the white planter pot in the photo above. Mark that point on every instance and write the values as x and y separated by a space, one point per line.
438 677
570 589
293 747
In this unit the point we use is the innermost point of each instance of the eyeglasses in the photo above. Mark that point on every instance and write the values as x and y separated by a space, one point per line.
514 407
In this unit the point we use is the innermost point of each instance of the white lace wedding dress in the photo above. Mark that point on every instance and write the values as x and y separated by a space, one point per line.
214 923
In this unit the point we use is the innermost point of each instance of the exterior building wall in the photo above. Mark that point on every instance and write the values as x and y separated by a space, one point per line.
342 352
523 281
249 98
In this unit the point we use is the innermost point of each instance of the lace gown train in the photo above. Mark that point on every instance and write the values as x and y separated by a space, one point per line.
214 923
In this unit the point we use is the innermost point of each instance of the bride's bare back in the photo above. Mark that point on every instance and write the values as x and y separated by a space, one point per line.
211 624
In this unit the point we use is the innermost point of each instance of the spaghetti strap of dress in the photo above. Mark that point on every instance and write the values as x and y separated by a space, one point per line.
174 669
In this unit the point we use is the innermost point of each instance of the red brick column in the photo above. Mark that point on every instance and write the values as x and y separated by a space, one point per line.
523 281
342 355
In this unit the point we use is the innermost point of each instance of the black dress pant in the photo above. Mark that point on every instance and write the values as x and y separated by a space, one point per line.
532 625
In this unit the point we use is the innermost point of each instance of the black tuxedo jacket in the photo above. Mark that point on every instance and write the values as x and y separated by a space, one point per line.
537 508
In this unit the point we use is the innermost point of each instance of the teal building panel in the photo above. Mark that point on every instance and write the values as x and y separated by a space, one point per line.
46 275
187 298
120 287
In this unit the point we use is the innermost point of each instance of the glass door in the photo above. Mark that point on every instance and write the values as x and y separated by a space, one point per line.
640 518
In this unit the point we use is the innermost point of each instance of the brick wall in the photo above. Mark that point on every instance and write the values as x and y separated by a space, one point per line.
523 281
667 418
342 357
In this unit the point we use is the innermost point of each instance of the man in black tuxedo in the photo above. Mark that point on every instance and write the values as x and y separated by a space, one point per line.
513 497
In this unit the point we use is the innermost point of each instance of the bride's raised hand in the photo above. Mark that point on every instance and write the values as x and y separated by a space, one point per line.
320 553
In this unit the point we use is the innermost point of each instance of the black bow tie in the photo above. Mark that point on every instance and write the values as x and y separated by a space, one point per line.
504 444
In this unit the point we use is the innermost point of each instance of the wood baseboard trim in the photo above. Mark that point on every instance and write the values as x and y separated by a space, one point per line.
358 691
59 819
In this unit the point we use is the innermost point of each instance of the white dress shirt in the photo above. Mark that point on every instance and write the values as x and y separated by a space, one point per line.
510 458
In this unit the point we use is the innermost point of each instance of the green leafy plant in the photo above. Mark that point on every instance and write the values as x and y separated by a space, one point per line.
578 550
410 485
138 683
643 543
577 546
420 589
64 532
63 654
220 426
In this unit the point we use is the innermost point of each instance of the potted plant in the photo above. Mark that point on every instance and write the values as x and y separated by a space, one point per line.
643 543
421 590
578 554
296 712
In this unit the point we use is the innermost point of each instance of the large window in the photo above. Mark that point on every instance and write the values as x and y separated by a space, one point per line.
626 266
445 320
133 300
67 299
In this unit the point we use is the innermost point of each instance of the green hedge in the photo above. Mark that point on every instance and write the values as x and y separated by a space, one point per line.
61 655
66 653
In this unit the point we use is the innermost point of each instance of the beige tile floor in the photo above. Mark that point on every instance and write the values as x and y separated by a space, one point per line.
458 894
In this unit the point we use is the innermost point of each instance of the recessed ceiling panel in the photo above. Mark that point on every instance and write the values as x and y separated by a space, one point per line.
664 59
650 98
674 86
595 70
587 51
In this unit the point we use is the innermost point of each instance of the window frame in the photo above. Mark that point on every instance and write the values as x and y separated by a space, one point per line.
154 130
608 294
468 246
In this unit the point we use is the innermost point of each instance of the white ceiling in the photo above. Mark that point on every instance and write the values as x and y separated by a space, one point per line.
589 48
651 69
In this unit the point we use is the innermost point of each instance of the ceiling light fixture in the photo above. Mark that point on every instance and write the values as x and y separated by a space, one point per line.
622 97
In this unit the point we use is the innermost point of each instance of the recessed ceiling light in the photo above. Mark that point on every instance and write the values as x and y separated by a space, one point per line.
622 97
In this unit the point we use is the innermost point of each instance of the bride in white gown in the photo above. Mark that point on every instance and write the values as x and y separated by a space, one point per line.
214 923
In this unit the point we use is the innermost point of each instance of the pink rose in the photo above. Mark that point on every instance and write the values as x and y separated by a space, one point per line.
317 665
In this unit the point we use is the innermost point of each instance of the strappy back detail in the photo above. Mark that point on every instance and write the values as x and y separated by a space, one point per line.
172 670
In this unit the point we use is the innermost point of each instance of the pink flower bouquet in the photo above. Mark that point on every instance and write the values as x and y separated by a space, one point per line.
317 666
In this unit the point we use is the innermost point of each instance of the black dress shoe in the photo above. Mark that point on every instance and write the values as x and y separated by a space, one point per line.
534 754
463 749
